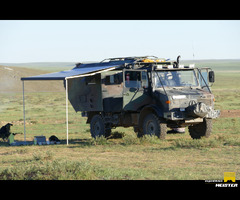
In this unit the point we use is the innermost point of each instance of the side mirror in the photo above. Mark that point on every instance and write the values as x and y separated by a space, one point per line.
211 77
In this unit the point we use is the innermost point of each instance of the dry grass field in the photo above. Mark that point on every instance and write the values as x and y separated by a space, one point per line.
123 156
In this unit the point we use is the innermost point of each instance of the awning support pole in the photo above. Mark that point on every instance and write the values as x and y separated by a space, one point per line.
67 107
24 113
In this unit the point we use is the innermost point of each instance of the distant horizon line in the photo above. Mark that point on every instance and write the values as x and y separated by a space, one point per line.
101 60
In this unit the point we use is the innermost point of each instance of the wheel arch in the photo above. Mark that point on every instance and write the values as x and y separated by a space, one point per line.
149 109
90 116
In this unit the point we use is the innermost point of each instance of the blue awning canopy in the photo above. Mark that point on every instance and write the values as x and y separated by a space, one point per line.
82 70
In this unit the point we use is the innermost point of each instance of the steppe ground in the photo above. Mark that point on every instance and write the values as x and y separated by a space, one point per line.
123 156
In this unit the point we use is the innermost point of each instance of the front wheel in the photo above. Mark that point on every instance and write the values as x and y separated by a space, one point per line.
152 125
202 129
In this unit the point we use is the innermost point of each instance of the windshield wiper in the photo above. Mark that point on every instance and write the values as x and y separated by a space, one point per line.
161 83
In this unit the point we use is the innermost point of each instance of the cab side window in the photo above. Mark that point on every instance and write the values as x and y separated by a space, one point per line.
136 79
144 80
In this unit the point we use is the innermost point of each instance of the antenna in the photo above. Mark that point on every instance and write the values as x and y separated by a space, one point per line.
193 50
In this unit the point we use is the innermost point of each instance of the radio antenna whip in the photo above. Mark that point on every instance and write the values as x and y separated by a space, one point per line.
193 50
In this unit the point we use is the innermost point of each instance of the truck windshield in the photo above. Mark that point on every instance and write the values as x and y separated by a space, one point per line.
175 78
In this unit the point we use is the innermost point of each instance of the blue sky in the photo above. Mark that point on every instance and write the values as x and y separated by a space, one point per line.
93 40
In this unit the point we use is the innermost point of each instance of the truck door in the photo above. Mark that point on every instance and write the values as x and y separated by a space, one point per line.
204 75
135 89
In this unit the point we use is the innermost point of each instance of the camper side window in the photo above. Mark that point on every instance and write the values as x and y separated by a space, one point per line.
113 79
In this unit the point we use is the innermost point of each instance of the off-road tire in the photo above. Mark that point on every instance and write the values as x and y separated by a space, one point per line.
152 125
140 134
98 128
108 130
138 131
202 129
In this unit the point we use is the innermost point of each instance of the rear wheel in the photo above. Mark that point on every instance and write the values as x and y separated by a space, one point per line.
152 125
202 129
98 128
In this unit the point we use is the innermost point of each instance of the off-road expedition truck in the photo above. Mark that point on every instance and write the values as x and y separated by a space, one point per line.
146 93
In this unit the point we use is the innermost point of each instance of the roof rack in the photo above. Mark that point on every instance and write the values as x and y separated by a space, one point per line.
135 58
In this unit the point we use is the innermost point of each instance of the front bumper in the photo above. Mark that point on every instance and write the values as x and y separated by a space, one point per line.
213 114
183 114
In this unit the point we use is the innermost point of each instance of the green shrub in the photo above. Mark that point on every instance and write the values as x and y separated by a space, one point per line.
130 139
200 143
98 141
56 170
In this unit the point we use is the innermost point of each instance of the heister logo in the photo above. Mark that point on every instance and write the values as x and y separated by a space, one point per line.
228 177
